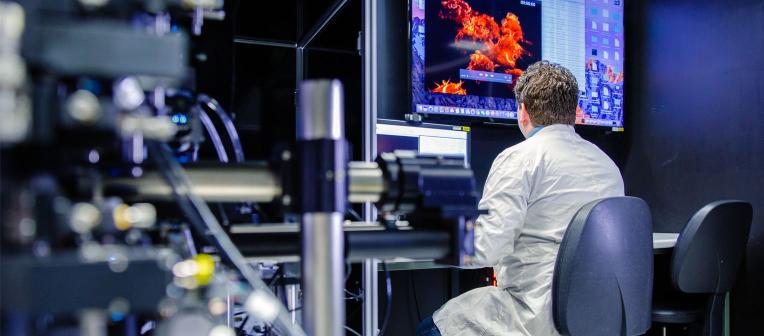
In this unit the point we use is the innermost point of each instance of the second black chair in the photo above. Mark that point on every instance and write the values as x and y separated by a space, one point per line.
705 260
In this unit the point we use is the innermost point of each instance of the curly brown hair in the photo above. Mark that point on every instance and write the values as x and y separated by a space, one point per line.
550 93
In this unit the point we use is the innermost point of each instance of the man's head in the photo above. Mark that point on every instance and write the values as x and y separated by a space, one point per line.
546 94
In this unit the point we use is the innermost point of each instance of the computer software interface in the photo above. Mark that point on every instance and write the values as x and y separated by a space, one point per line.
468 54
423 139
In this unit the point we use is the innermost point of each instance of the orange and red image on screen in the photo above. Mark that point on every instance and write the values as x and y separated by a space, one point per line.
493 39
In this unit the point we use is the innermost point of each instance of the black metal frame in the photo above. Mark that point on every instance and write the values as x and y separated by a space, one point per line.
305 40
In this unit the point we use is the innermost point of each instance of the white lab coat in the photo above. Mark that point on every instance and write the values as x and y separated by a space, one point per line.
533 191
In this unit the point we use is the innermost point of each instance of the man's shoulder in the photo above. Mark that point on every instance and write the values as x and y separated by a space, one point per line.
521 148
535 151
519 156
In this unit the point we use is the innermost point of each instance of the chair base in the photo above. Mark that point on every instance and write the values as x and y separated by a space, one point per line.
676 314
660 329
688 312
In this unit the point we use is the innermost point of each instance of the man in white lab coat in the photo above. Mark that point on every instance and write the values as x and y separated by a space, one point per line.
532 192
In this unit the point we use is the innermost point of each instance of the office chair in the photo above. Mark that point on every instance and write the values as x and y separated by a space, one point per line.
603 277
705 260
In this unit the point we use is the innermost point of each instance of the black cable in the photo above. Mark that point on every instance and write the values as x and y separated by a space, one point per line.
389 304
223 215
352 331
217 142
279 274
354 214
240 329
354 296
348 271
413 293
233 135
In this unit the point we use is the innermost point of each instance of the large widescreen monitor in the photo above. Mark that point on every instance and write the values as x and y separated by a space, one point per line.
466 55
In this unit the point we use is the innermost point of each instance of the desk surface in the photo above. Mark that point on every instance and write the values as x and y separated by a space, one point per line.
664 240
661 243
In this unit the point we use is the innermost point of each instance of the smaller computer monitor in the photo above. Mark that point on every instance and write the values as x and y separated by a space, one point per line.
423 138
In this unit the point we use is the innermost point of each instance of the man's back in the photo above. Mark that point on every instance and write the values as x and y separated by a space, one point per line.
533 191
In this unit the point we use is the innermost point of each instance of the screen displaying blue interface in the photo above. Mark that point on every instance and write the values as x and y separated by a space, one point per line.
423 138
466 55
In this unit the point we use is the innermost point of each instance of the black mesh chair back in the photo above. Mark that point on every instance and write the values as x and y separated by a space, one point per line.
603 277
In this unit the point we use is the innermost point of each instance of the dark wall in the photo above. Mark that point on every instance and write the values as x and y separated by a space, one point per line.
256 81
695 120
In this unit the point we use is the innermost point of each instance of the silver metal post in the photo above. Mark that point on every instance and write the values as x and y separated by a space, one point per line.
321 117
321 111
370 297
369 52
322 246
228 306
293 302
